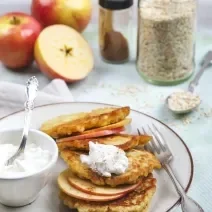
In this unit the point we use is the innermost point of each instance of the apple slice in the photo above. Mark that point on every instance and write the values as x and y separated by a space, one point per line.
110 127
90 188
65 186
62 52
92 135
122 141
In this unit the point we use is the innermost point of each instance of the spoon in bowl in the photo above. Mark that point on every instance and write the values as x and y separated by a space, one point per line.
31 93
185 101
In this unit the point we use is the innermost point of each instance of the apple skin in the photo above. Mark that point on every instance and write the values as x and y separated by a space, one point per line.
17 40
73 13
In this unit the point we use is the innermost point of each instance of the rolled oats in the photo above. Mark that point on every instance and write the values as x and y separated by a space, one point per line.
166 39
183 100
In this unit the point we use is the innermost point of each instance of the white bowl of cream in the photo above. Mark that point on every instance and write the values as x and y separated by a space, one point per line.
21 182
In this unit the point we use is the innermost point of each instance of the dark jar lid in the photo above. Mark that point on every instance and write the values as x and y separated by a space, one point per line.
116 4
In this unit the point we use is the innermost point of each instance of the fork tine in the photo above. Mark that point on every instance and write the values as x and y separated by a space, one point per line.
144 130
160 138
146 147
139 133
153 142
149 148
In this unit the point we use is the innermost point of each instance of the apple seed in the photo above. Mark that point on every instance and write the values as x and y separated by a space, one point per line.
66 50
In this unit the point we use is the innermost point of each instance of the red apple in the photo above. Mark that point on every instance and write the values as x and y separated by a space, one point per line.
74 13
18 33
92 135
73 192
61 52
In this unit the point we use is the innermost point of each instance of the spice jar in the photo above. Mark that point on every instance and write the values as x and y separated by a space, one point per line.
166 40
114 29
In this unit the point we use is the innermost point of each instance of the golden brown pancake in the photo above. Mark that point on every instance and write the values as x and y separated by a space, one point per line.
141 163
65 125
136 201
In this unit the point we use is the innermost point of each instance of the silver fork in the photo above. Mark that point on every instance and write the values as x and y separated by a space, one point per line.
159 147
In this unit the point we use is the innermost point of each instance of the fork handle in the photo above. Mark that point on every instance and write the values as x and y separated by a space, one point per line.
187 204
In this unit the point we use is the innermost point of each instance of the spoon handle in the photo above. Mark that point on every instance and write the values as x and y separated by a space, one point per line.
195 81
31 93
187 204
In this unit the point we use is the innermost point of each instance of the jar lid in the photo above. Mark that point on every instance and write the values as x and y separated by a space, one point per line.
116 4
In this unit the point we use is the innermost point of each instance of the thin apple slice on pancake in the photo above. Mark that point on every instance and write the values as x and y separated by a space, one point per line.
89 188
122 141
91 135
67 188
109 127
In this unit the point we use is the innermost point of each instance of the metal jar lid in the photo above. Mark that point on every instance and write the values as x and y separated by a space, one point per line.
116 4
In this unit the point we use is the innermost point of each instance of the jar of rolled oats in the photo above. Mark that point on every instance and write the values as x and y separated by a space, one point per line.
166 40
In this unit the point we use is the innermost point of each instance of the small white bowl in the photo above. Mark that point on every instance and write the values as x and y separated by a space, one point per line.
22 190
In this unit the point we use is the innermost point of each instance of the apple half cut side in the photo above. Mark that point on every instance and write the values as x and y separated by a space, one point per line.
92 135
65 186
90 188
61 52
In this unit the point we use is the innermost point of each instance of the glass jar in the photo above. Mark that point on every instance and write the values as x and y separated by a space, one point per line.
166 40
114 30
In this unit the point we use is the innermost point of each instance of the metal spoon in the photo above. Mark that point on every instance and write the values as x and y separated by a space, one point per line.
31 93
205 63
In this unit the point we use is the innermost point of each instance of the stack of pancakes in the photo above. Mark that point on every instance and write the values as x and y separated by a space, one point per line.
88 191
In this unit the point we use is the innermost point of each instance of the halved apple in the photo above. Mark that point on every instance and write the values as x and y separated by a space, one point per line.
92 135
61 52
65 186
90 188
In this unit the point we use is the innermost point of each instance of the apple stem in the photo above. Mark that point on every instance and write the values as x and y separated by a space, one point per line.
15 21
66 50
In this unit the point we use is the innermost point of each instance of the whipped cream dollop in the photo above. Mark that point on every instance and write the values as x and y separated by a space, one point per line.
32 160
105 159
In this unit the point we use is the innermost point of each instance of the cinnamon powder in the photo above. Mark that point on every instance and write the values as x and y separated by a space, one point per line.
113 45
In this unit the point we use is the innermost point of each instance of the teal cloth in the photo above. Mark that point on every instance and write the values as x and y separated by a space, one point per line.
201 189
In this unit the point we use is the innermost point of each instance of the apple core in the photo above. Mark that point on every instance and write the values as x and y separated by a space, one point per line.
67 50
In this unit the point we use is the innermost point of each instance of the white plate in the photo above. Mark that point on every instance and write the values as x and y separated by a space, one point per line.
165 197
